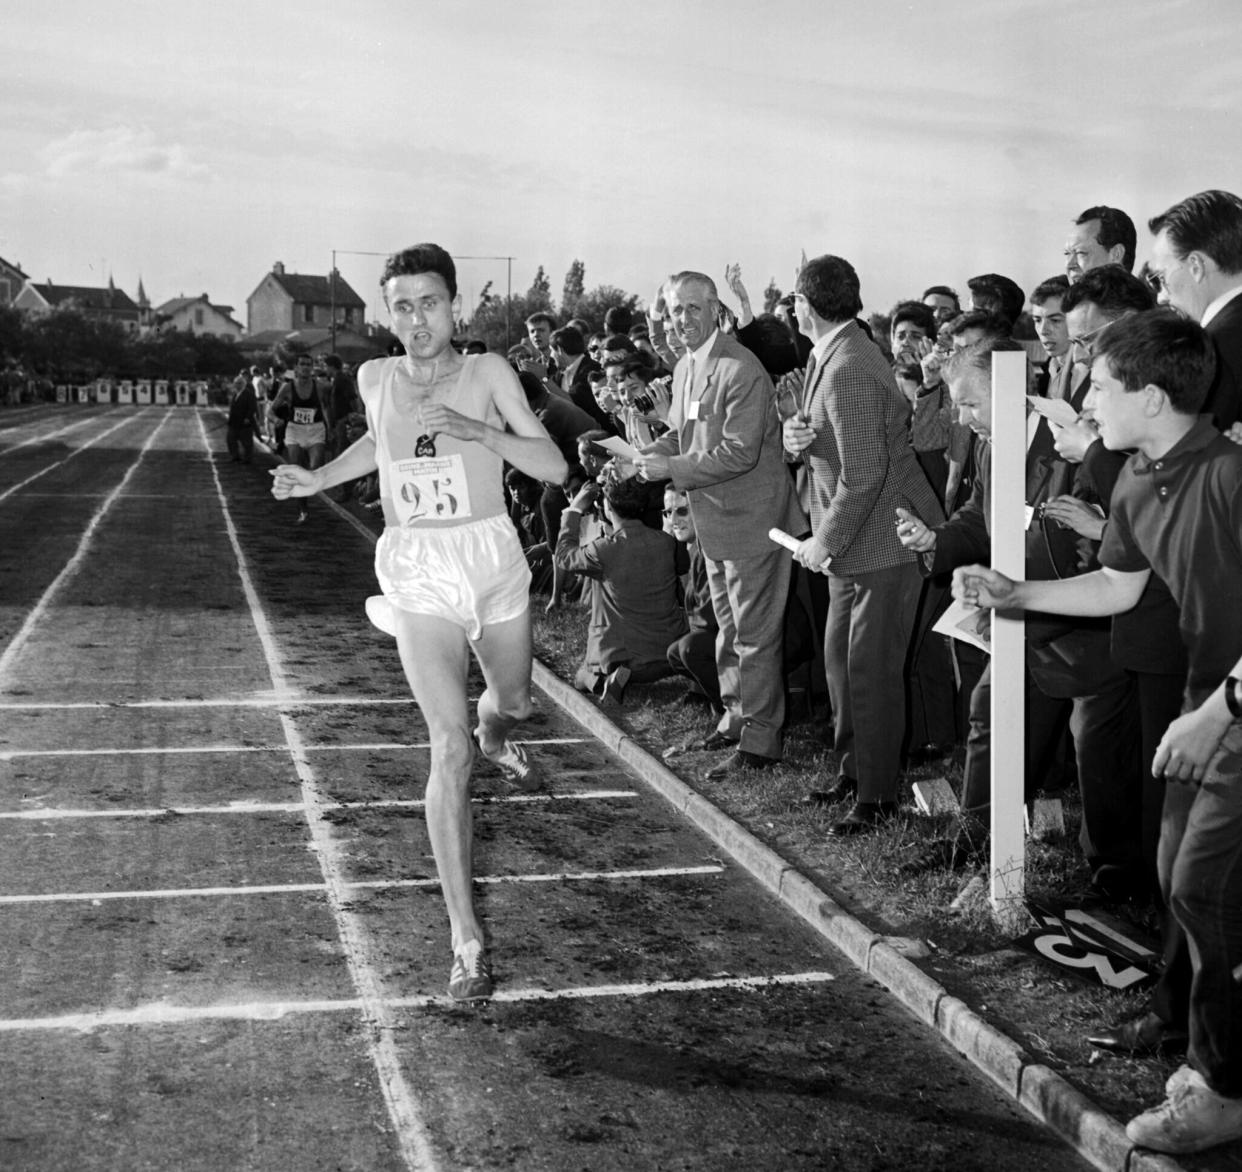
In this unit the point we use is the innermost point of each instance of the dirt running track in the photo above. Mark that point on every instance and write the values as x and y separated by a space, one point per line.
221 942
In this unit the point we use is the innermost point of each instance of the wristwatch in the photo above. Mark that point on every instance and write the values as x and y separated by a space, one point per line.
1233 697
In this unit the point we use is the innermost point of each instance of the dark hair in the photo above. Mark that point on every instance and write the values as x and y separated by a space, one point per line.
977 356
639 331
421 258
830 286
1052 287
1165 349
943 291
569 340
1115 228
581 325
774 345
615 342
1209 222
541 315
1111 289
629 497
636 365
993 325
913 311
1007 292
334 361
475 346
618 320
591 439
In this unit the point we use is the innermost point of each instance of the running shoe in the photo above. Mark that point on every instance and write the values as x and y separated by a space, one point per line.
470 978
513 763
379 611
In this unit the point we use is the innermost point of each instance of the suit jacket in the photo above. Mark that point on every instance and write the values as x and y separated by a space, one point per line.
579 390
1224 401
724 449
861 464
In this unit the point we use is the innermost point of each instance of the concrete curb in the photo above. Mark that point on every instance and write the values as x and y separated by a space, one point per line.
1096 1136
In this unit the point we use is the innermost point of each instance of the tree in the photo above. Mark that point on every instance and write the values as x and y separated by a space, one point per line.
539 295
593 305
575 287
771 295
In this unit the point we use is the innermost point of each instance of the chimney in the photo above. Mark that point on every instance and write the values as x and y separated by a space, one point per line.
279 268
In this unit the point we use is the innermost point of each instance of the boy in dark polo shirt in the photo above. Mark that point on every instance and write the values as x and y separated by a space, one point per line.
1176 511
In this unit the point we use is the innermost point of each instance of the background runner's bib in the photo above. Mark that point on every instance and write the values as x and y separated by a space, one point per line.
304 415
429 488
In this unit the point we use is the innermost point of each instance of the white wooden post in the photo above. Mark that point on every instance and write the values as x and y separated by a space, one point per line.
1008 524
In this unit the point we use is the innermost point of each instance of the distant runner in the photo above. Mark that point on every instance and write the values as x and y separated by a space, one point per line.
449 562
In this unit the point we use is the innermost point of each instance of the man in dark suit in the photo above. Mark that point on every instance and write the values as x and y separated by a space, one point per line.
851 435
576 365
723 449
1196 262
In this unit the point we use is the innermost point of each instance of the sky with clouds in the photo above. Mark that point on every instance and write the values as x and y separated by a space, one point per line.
194 147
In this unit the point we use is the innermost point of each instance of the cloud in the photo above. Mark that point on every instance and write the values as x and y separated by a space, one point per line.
118 150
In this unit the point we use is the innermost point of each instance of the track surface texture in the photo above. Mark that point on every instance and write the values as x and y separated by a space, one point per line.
223 946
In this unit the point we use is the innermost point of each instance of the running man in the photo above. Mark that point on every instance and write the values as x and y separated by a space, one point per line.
300 402
452 571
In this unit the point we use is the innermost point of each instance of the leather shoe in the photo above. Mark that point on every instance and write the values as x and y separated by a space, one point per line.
736 762
1144 1036
844 787
863 819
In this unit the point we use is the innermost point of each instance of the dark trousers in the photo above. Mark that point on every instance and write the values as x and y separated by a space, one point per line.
1201 877
240 442
930 709
870 621
694 655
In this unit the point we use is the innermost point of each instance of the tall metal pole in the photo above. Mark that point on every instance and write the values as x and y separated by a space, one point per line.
332 295
509 306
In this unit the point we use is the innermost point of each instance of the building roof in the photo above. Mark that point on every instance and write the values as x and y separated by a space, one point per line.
108 299
8 264
311 290
177 304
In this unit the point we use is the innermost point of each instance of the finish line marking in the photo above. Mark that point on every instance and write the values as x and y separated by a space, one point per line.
175 750
345 885
51 815
161 1013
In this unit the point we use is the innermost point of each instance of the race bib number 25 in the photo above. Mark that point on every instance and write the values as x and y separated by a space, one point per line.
430 488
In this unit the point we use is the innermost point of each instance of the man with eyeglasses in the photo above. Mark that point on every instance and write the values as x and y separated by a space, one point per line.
1196 267
1101 236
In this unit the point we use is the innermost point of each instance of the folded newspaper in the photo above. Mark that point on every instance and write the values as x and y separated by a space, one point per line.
971 624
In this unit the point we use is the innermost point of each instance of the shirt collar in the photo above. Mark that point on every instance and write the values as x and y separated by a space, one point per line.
1202 432
1216 306
702 349
568 372
821 347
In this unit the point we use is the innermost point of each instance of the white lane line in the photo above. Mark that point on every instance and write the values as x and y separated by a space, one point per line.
49 436
55 815
161 1013
399 1097
340 887
221 702
8 492
174 750
72 566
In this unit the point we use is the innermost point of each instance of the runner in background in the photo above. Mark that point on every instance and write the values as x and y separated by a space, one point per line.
300 403
449 563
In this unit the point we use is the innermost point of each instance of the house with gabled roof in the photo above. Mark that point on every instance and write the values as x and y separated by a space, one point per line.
107 304
197 315
11 281
297 301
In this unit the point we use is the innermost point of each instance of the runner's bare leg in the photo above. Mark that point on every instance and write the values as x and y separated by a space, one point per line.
435 657
504 654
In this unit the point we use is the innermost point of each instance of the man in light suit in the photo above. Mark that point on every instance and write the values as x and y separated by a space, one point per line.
723 450
851 435
1196 261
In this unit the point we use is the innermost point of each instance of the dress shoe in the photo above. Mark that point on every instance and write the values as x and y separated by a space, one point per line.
737 762
863 819
712 743
844 787
1145 1036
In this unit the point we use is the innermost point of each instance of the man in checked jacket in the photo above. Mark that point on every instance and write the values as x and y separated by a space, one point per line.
851 435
